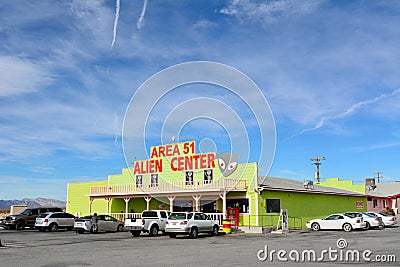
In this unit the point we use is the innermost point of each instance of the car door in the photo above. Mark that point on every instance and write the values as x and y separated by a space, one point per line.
330 222
208 223
101 223
31 218
163 219
69 219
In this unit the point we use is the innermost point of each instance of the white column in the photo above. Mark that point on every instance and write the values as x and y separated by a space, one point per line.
256 200
126 206
171 203
196 199
148 202
108 199
223 196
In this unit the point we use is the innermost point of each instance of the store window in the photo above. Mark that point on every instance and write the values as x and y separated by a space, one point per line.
241 203
273 205
189 177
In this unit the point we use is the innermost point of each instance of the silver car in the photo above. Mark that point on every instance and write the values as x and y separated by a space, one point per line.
105 223
52 221
387 220
190 223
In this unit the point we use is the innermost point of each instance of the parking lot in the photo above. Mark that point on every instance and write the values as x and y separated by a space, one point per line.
65 248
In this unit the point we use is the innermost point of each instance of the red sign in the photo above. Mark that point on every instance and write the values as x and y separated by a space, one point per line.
359 204
232 214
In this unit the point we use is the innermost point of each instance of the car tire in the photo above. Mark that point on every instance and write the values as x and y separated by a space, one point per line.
172 235
53 227
215 231
315 227
194 232
120 228
367 226
135 233
347 227
20 225
153 231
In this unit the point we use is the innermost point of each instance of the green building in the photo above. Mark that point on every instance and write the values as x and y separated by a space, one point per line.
175 178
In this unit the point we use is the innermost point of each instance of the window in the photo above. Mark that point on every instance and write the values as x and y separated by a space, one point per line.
163 214
375 203
241 203
208 176
189 177
273 205
139 180
149 214
154 180
197 216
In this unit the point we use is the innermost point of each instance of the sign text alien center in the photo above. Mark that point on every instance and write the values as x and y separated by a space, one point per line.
180 156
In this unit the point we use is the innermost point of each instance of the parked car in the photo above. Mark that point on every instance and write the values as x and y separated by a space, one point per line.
152 222
105 223
3 222
371 221
52 221
337 222
387 220
190 223
27 217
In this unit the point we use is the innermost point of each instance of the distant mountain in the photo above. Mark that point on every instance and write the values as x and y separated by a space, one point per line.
6 204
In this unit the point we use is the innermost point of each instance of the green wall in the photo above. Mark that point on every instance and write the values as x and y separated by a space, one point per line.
306 206
346 185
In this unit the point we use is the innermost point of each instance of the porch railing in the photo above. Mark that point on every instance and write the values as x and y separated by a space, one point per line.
122 216
228 184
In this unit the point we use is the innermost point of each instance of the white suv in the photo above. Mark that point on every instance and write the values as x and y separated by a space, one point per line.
190 223
54 220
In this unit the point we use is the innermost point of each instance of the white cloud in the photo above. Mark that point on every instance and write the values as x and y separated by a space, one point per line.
268 12
19 76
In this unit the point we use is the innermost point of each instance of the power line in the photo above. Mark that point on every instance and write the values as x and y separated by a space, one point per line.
379 175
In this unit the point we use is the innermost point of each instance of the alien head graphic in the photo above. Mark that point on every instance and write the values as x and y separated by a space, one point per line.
227 163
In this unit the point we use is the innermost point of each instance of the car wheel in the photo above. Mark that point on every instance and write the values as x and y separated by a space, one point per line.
367 226
193 233
153 231
347 227
120 228
135 233
315 227
53 227
215 231
172 235
20 225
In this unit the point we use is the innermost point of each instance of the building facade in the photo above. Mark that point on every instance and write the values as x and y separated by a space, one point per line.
176 178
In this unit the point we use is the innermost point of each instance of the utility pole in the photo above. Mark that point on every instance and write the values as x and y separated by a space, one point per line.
317 163
379 176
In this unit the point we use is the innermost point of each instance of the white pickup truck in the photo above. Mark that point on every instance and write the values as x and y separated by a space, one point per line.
152 222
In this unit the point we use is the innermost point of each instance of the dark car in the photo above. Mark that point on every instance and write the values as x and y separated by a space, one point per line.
27 217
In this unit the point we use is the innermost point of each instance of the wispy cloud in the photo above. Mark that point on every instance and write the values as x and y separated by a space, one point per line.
270 11
19 76
117 8
139 23
351 110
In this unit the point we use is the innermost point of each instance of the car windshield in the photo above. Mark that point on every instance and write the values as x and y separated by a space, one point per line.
369 215
177 216
151 214
26 212
43 215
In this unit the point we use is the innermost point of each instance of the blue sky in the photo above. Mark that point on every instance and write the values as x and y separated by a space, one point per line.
330 71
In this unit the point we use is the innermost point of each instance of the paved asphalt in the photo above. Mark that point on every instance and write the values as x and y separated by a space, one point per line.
65 248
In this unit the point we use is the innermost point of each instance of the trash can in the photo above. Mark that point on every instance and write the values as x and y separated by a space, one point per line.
226 226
